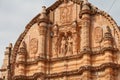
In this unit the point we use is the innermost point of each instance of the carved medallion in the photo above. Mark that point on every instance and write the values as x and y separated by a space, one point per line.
65 14
98 34
33 46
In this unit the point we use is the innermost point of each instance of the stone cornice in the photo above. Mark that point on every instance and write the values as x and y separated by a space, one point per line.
85 68
22 77
77 56
68 73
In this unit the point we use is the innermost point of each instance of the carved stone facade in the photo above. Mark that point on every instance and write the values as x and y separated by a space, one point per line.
70 40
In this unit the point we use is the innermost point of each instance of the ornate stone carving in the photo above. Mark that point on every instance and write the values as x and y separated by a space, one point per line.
65 14
55 46
69 45
33 46
98 33
63 47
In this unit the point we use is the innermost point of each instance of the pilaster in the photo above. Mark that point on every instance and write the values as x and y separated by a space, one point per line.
85 37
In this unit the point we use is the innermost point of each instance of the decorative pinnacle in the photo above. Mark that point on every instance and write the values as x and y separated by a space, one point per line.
10 45
44 9
85 1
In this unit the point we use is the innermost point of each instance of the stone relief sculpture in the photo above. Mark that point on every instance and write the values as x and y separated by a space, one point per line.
66 45
63 46
98 33
65 14
33 47
69 45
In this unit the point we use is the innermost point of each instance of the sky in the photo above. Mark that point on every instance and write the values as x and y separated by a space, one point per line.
16 14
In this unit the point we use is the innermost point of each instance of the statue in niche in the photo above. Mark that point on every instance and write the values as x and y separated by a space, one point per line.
69 45
63 46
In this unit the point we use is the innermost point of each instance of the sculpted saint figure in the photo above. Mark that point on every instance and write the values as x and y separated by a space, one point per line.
70 45
63 45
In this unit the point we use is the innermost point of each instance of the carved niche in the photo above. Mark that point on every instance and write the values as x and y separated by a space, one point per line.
66 14
98 34
66 44
33 46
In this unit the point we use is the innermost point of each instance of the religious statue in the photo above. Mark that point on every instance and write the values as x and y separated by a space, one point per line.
70 45
63 45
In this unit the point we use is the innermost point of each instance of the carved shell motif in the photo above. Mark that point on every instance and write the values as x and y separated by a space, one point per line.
98 34
33 46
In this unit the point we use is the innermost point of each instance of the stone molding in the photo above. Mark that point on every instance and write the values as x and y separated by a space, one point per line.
68 73
54 6
78 56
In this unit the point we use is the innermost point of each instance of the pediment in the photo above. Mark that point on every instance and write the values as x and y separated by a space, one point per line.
59 2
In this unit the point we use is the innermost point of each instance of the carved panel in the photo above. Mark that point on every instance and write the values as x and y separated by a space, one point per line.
65 14
33 46
98 34
66 44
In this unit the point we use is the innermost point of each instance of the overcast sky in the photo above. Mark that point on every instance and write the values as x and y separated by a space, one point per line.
16 14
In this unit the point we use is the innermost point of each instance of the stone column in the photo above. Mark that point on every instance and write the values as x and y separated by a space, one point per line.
85 38
85 30
107 49
21 61
43 24
55 42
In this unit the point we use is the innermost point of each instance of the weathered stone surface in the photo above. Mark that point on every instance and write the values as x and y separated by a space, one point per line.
70 40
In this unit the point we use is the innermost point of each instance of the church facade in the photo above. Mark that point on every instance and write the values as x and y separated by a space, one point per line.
70 40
